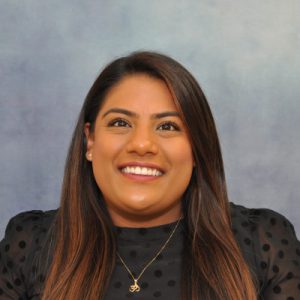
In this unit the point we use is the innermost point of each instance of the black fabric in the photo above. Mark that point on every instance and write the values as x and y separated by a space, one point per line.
267 240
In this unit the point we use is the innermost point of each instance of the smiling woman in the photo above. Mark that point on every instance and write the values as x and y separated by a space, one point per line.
144 211
139 130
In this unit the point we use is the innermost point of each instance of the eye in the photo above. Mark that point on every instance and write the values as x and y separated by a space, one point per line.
118 123
169 126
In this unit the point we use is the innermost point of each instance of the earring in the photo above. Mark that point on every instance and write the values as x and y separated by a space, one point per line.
89 156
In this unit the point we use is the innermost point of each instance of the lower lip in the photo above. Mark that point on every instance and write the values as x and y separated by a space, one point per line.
141 178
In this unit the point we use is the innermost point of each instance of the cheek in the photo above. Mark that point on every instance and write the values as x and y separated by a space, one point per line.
104 155
180 155
180 158
106 148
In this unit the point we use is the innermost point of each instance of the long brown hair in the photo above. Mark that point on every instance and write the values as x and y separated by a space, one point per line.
85 246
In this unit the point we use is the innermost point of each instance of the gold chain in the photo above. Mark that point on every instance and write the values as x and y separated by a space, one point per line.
135 287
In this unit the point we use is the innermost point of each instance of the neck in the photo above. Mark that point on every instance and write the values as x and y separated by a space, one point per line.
139 221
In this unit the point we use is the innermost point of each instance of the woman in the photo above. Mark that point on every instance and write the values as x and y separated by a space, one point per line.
144 210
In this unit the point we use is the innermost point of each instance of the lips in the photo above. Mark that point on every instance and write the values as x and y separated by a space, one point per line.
143 169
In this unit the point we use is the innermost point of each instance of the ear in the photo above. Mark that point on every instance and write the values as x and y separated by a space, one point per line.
89 141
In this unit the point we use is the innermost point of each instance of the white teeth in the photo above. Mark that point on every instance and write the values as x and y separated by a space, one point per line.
141 171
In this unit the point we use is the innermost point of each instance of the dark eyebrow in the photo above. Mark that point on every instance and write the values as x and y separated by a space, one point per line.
120 111
133 114
166 114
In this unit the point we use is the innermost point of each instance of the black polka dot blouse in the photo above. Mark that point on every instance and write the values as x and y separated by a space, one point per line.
266 239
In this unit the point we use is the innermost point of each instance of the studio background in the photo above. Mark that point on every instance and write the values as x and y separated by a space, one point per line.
245 54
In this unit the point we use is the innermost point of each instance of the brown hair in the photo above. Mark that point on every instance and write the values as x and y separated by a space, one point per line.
85 246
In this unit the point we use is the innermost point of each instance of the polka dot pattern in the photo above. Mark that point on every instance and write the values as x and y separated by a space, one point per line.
267 241
273 254
16 279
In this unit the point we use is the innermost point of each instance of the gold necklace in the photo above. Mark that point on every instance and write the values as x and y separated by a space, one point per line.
135 286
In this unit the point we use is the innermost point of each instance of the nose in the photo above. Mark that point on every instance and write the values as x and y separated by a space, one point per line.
142 142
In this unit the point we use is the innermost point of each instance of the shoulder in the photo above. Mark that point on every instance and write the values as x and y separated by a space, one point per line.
261 225
32 216
259 219
25 237
269 244
24 229
30 221
255 214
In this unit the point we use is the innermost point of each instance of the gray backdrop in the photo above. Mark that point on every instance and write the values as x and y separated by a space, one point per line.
244 54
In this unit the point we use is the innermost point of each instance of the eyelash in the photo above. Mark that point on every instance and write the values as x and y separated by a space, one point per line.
115 121
126 124
171 124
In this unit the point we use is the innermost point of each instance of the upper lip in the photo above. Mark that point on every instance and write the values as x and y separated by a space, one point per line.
142 165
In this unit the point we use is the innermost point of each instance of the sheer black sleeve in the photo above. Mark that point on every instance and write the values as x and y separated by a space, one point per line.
15 254
277 255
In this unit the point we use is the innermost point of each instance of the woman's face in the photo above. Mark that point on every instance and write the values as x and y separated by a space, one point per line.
140 152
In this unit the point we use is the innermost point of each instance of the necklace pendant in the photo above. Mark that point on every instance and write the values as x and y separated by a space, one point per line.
134 287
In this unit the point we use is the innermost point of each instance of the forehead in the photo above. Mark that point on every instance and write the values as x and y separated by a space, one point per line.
140 93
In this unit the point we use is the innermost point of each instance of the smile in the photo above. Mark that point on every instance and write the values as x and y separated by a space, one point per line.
141 171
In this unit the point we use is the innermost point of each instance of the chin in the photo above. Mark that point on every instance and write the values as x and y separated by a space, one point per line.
140 207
